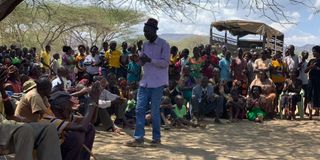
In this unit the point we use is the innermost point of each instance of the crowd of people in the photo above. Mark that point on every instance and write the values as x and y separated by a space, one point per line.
84 87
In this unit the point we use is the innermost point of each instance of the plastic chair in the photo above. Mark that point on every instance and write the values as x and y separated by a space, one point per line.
300 105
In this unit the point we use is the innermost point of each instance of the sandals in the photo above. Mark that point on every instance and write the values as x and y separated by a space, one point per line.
115 129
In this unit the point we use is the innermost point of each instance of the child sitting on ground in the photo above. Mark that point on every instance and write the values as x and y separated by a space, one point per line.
131 105
165 108
179 114
235 104
254 104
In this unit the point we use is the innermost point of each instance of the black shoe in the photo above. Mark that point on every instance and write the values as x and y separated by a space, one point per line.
134 143
155 143
217 121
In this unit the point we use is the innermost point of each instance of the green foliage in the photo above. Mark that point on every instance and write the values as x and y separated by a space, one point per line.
58 23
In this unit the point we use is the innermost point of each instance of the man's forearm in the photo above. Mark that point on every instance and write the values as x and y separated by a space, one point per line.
161 63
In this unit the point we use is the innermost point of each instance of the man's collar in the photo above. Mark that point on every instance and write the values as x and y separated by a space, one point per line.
155 41
204 88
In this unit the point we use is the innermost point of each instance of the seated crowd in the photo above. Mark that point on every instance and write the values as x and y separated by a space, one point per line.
52 105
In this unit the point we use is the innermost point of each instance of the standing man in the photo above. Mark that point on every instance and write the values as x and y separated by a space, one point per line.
292 60
225 71
154 58
262 63
45 58
104 65
124 59
113 58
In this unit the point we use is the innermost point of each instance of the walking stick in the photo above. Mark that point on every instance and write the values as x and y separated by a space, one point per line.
88 150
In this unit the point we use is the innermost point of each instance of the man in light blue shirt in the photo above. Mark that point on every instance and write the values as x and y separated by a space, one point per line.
154 59
224 64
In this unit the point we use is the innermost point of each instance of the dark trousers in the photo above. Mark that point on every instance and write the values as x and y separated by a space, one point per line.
205 107
104 115
72 147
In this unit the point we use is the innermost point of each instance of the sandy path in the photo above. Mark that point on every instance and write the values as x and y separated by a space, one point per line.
277 139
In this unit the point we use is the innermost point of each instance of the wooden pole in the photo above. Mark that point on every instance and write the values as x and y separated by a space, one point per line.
210 40
238 41
264 42
225 37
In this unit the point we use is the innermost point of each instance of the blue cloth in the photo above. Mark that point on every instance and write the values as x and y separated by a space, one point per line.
134 72
225 73
145 96
104 72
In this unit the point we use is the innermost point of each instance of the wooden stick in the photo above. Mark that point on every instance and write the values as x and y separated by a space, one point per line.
88 150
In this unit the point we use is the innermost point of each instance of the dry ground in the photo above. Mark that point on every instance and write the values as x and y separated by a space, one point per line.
277 139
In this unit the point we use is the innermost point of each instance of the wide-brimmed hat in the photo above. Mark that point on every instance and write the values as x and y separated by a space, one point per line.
28 85
152 23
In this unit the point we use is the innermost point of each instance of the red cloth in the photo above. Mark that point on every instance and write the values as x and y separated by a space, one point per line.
84 82
213 59
207 71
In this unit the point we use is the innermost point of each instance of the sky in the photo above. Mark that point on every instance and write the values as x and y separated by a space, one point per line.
304 30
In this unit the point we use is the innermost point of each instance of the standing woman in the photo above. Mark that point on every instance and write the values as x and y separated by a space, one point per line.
69 61
92 62
278 70
313 95
80 61
196 63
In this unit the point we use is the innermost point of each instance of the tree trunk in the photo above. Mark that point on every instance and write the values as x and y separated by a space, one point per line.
7 6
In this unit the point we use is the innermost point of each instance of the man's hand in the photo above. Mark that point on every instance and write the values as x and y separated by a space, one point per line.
3 77
95 91
290 82
144 59
210 98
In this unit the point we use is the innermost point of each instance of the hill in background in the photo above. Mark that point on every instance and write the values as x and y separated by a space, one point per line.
307 47
185 40
190 40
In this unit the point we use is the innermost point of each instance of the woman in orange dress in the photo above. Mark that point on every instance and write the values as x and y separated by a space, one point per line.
268 91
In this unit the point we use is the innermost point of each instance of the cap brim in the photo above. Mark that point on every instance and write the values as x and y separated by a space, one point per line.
146 24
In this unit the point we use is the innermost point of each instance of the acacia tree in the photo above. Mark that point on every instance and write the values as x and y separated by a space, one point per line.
51 22
104 25
272 9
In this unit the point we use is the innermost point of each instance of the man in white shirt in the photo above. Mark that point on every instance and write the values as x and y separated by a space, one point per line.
110 104
292 60
62 73
304 76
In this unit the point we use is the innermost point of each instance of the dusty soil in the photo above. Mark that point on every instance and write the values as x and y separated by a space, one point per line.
277 139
